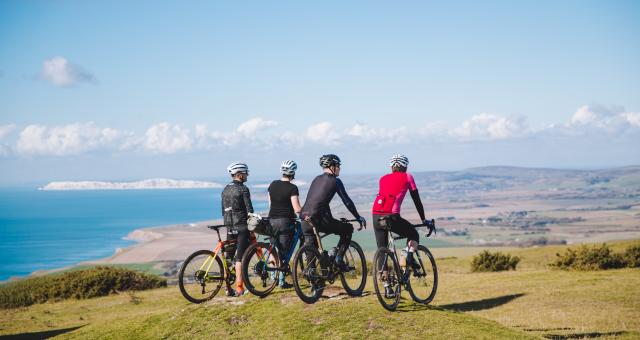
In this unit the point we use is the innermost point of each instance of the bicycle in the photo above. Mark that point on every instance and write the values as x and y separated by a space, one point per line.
262 264
313 267
204 271
418 280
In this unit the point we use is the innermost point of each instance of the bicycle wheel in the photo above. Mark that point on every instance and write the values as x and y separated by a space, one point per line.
260 268
355 278
307 274
423 281
386 278
201 276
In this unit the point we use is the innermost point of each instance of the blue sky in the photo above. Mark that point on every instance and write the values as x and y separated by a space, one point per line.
128 90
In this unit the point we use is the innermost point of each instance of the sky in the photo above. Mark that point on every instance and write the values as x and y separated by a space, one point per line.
125 90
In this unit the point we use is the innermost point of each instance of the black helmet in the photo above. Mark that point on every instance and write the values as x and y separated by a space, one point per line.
329 160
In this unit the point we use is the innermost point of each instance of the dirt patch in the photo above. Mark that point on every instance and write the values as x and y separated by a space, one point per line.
237 320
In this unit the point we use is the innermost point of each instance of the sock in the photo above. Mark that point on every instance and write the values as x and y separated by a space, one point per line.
409 258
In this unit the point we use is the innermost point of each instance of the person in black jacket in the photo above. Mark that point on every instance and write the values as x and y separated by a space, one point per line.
317 211
236 206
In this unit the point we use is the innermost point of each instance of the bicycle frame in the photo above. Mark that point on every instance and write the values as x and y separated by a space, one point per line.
284 259
216 253
392 245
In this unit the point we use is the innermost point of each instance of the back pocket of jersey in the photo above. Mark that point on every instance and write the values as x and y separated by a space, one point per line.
383 203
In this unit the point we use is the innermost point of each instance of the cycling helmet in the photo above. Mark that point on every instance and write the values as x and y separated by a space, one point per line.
288 167
399 160
237 167
329 160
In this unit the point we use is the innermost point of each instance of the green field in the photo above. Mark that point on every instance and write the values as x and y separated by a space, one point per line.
532 302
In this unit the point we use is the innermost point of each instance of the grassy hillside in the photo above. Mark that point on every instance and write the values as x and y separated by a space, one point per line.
532 302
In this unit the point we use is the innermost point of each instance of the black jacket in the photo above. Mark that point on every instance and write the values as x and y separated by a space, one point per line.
236 204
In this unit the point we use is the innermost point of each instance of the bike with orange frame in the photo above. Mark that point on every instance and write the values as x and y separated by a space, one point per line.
204 271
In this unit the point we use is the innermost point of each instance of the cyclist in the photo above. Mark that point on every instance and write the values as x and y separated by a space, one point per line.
283 207
317 211
393 187
236 205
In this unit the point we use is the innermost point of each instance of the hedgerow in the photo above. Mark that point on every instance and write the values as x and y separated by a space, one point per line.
80 284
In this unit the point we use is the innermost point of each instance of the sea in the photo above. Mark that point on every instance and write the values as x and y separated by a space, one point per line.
41 230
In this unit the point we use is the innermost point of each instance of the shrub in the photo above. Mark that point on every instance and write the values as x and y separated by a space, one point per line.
632 256
488 262
81 284
589 258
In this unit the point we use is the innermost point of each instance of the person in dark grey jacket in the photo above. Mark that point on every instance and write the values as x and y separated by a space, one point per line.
236 206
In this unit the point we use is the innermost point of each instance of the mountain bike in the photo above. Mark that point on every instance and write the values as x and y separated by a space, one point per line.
314 267
204 271
263 265
420 279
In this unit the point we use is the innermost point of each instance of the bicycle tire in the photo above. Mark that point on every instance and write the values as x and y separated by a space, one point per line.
354 260
264 274
217 268
307 274
427 285
383 259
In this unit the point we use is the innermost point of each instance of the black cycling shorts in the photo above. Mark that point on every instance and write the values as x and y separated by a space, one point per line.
399 226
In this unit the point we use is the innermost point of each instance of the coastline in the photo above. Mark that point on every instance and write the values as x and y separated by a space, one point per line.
167 244
163 243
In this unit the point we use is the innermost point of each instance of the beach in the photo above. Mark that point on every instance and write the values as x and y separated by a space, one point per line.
165 244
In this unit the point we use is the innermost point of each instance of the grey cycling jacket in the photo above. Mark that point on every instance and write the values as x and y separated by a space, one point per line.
236 204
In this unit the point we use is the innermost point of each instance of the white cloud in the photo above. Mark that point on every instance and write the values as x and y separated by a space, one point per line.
368 134
165 138
64 140
597 118
633 118
251 127
60 72
489 126
259 134
5 130
323 133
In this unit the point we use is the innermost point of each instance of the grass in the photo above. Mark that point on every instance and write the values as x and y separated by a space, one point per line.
534 301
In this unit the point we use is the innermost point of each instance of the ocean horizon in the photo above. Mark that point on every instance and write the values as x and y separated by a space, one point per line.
43 230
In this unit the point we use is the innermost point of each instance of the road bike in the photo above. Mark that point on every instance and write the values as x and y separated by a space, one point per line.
314 267
263 265
420 279
204 271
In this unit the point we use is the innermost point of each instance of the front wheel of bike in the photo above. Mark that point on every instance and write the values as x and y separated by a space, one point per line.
201 276
260 268
355 278
423 280
386 278
307 274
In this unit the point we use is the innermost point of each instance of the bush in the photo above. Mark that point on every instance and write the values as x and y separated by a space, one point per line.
81 284
632 256
488 262
589 258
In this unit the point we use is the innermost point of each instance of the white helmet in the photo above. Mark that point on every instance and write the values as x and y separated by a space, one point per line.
399 160
236 167
288 167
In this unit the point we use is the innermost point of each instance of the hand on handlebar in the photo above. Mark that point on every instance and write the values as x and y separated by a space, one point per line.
431 224
363 223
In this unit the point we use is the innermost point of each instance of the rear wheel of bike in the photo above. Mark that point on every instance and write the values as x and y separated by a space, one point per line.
386 279
355 278
201 276
307 274
260 268
423 281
